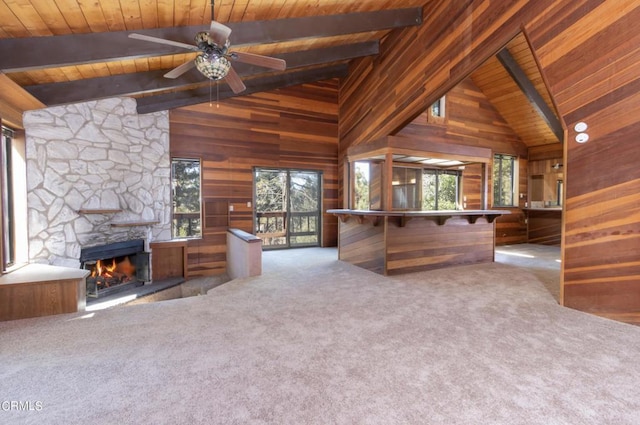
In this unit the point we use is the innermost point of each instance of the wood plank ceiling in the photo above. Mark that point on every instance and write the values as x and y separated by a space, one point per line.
511 102
72 50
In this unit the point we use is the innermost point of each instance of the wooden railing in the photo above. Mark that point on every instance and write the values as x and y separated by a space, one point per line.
275 223
191 221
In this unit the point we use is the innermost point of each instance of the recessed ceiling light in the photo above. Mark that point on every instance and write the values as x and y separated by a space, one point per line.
582 137
580 127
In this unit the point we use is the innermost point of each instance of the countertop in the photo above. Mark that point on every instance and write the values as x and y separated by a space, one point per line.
544 209
441 213
42 273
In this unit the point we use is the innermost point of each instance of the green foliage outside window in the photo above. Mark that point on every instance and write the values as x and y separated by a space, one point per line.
361 186
185 179
440 190
503 180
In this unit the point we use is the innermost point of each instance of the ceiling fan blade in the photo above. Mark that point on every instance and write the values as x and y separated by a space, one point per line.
219 33
259 60
180 69
163 41
234 81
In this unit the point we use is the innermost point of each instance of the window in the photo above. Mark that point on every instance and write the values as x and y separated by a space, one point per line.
405 185
366 185
437 109
8 217
361 186
437 112
441 189
504 178
185 182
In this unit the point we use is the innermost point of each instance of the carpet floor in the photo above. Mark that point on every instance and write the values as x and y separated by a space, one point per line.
317 341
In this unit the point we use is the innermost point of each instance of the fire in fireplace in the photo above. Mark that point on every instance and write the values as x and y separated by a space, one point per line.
115 267
109 273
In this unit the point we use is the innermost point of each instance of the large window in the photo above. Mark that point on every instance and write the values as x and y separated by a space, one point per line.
413 188
441 190
504 178
8 218
185 181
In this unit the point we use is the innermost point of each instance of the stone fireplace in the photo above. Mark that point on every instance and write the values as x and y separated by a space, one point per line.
97 173
115 267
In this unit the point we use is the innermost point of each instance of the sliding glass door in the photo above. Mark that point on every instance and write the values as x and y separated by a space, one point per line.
288 203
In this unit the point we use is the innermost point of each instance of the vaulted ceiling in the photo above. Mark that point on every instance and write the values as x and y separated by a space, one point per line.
72 50
512 82
67 51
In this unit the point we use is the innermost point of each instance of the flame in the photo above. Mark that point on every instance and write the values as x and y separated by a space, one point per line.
104 270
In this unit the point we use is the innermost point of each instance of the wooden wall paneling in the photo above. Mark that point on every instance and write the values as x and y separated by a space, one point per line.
544 227
601 177
36 299
169 259
295 128
363 244
473 122
472 181
551 151
422 244
14 102
588 54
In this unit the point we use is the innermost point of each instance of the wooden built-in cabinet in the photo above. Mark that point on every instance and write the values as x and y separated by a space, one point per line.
37 290
168 259
546 183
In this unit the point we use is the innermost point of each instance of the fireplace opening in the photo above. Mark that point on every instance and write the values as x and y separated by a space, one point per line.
115 267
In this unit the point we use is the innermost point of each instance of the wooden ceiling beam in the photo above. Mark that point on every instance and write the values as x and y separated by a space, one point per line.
537 101
22 54
167 101
14 101
148 82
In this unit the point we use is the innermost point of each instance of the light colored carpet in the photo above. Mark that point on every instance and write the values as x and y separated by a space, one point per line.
318 341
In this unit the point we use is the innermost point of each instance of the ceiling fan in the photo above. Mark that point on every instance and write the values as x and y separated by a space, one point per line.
214 59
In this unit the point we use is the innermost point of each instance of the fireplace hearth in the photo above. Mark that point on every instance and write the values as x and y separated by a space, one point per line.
115 267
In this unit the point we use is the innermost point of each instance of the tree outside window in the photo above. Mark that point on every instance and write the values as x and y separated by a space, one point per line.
185 181
361 186
504 167
440 190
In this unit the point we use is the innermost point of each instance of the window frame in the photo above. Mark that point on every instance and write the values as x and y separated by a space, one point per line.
173 200
7 228
497 183
437 112
437 172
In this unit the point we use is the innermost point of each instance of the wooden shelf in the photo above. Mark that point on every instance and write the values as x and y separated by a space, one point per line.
134 223
98 211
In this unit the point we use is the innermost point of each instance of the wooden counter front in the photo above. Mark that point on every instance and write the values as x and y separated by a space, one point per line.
395 242
37 290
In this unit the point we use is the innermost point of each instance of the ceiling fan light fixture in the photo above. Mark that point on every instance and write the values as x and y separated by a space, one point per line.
213 66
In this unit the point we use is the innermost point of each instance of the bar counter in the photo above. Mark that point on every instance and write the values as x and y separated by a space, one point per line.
395 242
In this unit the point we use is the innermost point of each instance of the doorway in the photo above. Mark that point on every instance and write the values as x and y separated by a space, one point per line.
287 207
